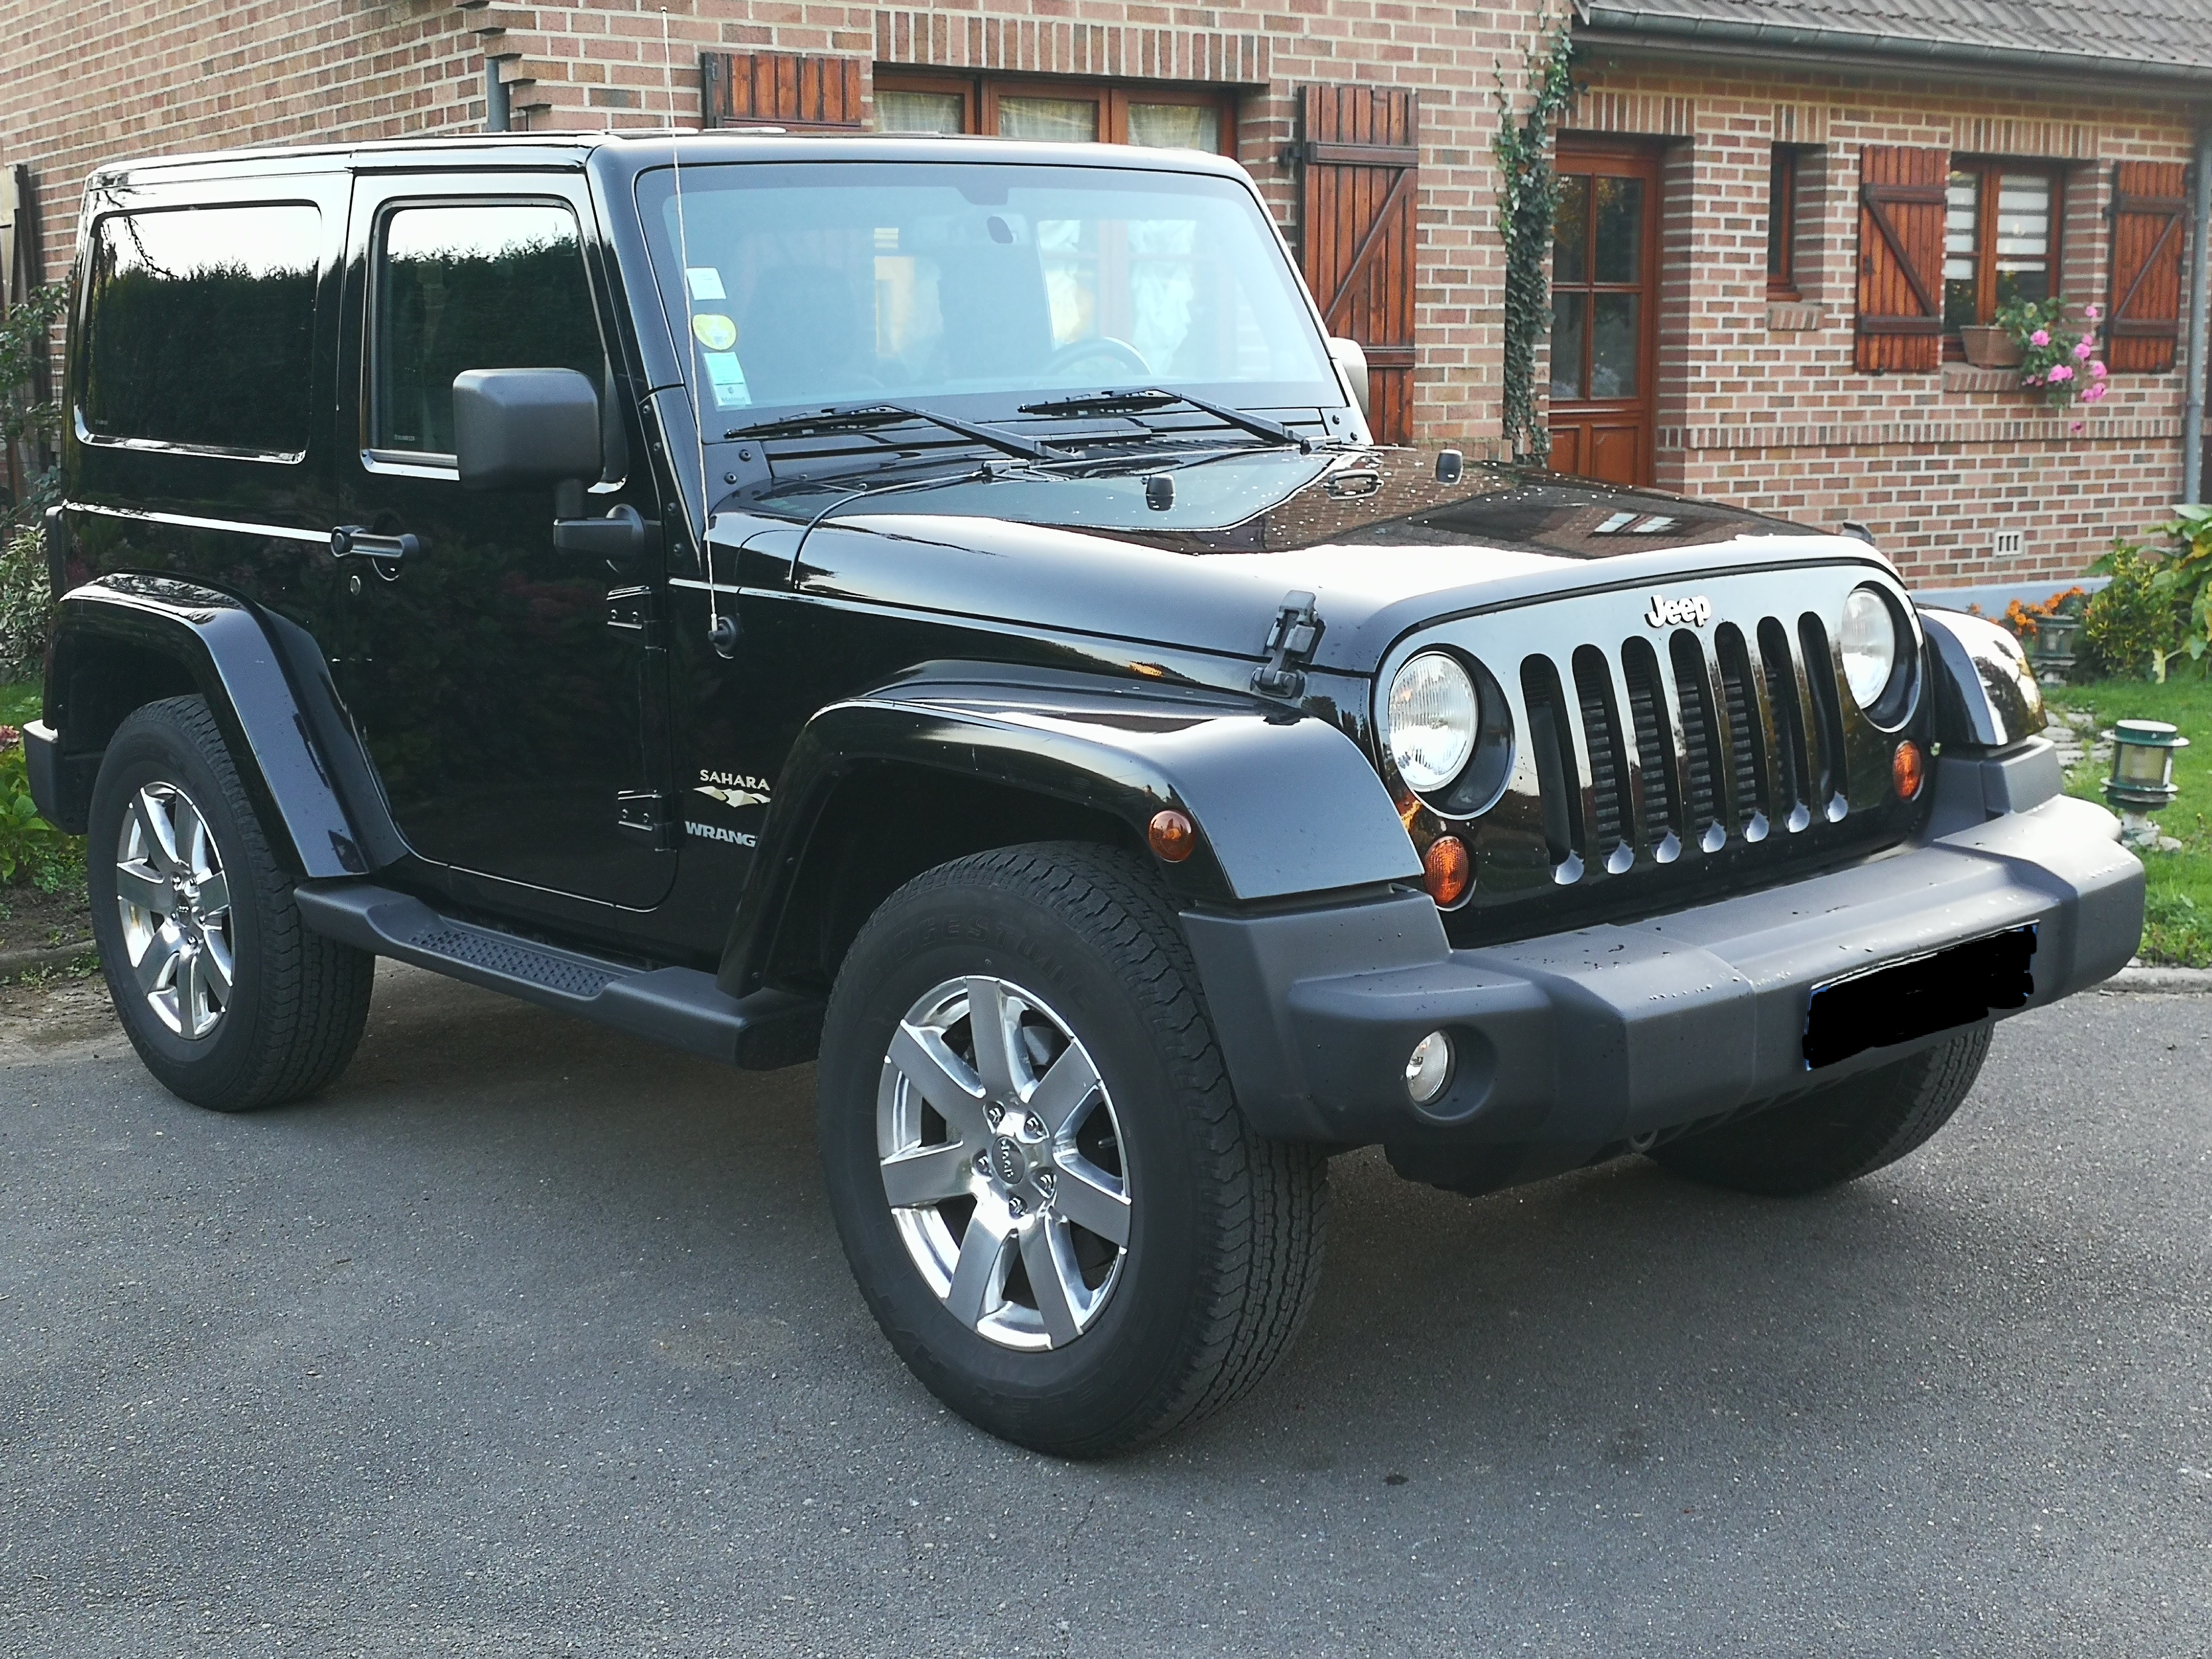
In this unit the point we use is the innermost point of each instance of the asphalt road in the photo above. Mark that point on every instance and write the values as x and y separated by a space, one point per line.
530 1340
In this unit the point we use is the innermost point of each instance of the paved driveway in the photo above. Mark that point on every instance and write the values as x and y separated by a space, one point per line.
530 1340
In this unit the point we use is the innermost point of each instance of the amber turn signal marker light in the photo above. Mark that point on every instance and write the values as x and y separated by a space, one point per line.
1907 770
1172 836
1446 870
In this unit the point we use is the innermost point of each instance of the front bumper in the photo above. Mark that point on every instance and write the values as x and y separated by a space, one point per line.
1576 1041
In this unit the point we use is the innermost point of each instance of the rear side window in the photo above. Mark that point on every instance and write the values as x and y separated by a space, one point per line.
199 328
472 285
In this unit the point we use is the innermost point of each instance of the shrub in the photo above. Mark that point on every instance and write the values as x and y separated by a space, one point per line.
27 606
2133 625
31 849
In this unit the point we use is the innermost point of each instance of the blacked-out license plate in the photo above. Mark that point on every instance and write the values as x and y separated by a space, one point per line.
1899 1001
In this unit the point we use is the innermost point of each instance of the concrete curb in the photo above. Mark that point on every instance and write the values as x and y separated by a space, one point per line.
41 959
2184 981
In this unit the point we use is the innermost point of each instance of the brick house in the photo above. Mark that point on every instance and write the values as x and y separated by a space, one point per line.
1838 188
1749 369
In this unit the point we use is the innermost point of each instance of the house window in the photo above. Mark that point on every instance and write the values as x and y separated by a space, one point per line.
1781 224
1999 239
1065 112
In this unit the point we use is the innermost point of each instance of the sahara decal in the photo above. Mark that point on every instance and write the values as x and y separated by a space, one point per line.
732 788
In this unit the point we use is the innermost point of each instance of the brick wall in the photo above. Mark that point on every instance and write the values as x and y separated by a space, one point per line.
1761 404
89 83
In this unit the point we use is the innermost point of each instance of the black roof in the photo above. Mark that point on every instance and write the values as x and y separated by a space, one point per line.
2169 41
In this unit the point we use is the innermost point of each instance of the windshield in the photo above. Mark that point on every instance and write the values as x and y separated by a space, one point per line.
808 283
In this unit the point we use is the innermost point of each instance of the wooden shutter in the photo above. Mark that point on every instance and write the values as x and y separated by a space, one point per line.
780 90
1361 160
1901 209
2143 325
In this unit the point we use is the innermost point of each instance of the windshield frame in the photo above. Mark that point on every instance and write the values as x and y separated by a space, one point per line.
660 259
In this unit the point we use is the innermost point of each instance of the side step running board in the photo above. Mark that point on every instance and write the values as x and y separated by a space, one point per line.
681 1007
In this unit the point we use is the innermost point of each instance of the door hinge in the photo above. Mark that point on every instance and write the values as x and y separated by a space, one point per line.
1291 644
637 610
647 816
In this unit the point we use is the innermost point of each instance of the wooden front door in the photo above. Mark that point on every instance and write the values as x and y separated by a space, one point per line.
1605 293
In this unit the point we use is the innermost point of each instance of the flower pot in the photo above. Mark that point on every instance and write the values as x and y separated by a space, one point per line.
1990 347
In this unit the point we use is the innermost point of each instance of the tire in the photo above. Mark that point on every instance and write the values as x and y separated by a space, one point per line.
230 999
1077 948
1837 1134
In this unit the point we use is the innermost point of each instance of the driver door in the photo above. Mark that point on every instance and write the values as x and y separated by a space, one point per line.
509 694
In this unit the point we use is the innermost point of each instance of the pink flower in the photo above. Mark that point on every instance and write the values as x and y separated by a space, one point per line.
9 737
2077 428
2058 372
2041 336
2098 371
2092 312
2094 393
2082 347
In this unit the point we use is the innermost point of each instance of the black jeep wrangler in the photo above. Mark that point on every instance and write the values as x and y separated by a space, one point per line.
933 608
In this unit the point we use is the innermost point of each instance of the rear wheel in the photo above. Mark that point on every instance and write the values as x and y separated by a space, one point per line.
231 1002
1837 1134
1047 1193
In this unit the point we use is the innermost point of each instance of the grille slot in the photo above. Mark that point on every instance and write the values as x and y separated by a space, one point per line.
1827 713
1703 752
1780 671
1610 811
1745 740
1552 747
1654 741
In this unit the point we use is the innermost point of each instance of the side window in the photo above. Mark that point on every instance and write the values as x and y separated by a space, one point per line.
469 285
199 328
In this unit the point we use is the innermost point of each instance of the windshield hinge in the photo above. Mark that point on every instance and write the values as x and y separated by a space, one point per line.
1291 645
646 816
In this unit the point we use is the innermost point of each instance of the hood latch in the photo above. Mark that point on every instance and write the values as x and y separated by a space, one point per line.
1291 644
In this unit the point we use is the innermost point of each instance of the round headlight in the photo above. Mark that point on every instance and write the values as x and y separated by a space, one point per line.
1868 646
1431 721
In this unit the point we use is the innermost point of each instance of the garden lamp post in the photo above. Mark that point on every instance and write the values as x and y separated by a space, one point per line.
2143 776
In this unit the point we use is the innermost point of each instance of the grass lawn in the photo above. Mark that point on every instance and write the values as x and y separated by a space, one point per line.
19 702
2177 927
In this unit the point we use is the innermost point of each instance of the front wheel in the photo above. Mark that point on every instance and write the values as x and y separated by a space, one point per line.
1046 1190
1838 1132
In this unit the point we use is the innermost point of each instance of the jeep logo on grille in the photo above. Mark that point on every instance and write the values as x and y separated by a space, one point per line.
1697 610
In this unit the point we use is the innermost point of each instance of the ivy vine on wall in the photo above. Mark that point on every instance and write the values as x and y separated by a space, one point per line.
1530 195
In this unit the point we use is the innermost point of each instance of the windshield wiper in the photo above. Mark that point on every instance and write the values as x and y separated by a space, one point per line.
1140 402
860 417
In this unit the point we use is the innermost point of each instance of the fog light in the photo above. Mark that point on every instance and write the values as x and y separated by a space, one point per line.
1428 1068
1907 770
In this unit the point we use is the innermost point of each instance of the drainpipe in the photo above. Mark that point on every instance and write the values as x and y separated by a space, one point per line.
2200 246
495 97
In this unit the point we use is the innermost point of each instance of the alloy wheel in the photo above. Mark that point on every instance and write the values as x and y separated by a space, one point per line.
1002 1163
175 905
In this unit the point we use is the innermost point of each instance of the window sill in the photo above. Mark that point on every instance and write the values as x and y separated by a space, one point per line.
1793 316
1965 377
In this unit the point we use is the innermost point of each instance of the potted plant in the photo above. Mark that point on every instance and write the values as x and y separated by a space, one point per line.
2052 359
1988 345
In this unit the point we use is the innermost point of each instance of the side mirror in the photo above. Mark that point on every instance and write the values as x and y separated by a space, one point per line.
516 428
1350 360
520 428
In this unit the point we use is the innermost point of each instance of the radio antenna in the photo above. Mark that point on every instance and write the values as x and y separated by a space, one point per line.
723 635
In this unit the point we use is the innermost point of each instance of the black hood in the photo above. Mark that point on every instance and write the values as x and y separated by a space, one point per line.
1383 545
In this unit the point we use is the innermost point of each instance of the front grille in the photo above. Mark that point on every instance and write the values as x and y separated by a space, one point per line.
1633 769
1781 745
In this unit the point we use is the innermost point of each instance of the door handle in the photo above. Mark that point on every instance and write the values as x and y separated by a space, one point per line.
356 541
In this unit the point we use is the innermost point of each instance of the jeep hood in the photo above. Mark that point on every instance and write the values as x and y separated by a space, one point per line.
1381 544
